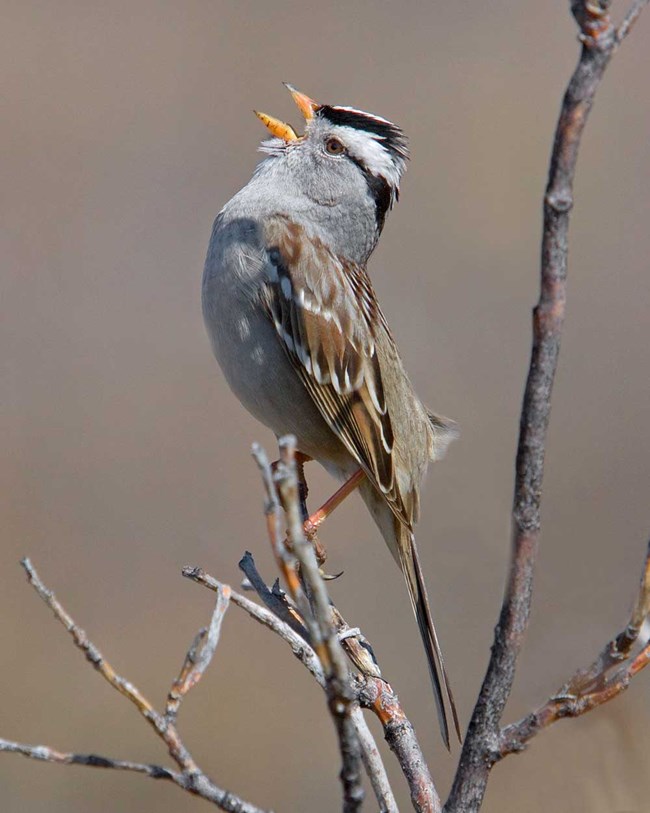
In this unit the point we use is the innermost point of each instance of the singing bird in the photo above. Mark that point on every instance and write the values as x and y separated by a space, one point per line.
295 324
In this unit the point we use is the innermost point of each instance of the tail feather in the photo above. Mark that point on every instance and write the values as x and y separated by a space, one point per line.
401 543
412 570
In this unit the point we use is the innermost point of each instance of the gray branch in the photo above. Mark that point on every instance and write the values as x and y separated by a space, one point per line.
314 629
302 650
310 597
481 749
372 692
190 777
608 676
198 656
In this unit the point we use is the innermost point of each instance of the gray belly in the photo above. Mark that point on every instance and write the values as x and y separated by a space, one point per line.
259 372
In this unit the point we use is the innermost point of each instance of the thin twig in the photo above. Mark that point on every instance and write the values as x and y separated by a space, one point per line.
273 512
191 778
272 599
373 764
93 655
315 610
608 676
618 649
300 648
198 656
515 737
340 694
306 655
46 754
630 18
196 784
481 747
287 482
398 731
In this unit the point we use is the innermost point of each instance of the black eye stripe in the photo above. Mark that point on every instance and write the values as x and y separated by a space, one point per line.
379 189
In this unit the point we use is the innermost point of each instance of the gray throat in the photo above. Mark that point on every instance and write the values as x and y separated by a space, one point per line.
342 216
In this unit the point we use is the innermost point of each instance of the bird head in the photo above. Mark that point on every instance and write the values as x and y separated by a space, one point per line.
341 147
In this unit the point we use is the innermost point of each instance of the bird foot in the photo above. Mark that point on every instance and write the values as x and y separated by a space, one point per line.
311 533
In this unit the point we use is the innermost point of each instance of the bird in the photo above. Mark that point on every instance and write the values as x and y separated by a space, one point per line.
297 330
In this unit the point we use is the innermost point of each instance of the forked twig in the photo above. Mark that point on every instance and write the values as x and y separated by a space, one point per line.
198 656
371 690
308 622
481 749
300 648
307 656
190 777
314 608
608 676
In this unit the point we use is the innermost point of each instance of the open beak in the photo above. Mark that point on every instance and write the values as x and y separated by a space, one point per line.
281 129
306 105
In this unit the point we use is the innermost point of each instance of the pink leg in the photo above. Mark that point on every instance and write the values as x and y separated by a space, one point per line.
318 517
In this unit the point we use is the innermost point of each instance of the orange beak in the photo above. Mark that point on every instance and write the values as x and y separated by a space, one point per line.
306 105
281 129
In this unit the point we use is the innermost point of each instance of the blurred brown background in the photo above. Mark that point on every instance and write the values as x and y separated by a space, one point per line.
125 127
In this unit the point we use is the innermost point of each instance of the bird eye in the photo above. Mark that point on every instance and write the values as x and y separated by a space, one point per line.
334 146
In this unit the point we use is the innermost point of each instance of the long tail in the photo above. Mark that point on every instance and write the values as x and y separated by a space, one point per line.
410 564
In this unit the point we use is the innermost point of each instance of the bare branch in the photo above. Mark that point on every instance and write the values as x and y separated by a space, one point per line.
273 512
273 599
481 747
315 609
606 678
46 754
377 695
306 655
630 18
191 778
373 764
322 629
300 648
620 647
198 656
340 694
93 655
373 692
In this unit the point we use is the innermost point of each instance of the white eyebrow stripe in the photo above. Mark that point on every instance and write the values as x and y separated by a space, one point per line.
369 149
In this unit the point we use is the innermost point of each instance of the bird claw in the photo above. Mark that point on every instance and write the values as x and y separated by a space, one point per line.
310 529
319 549
329 577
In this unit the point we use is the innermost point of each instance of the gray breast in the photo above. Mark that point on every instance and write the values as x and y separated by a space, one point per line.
244 339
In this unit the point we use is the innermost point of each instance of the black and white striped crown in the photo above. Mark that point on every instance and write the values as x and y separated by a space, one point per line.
390 135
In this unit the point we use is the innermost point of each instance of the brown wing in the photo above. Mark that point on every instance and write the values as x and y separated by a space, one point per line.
328 319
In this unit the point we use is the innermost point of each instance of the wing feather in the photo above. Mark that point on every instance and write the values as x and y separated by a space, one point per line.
328 319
